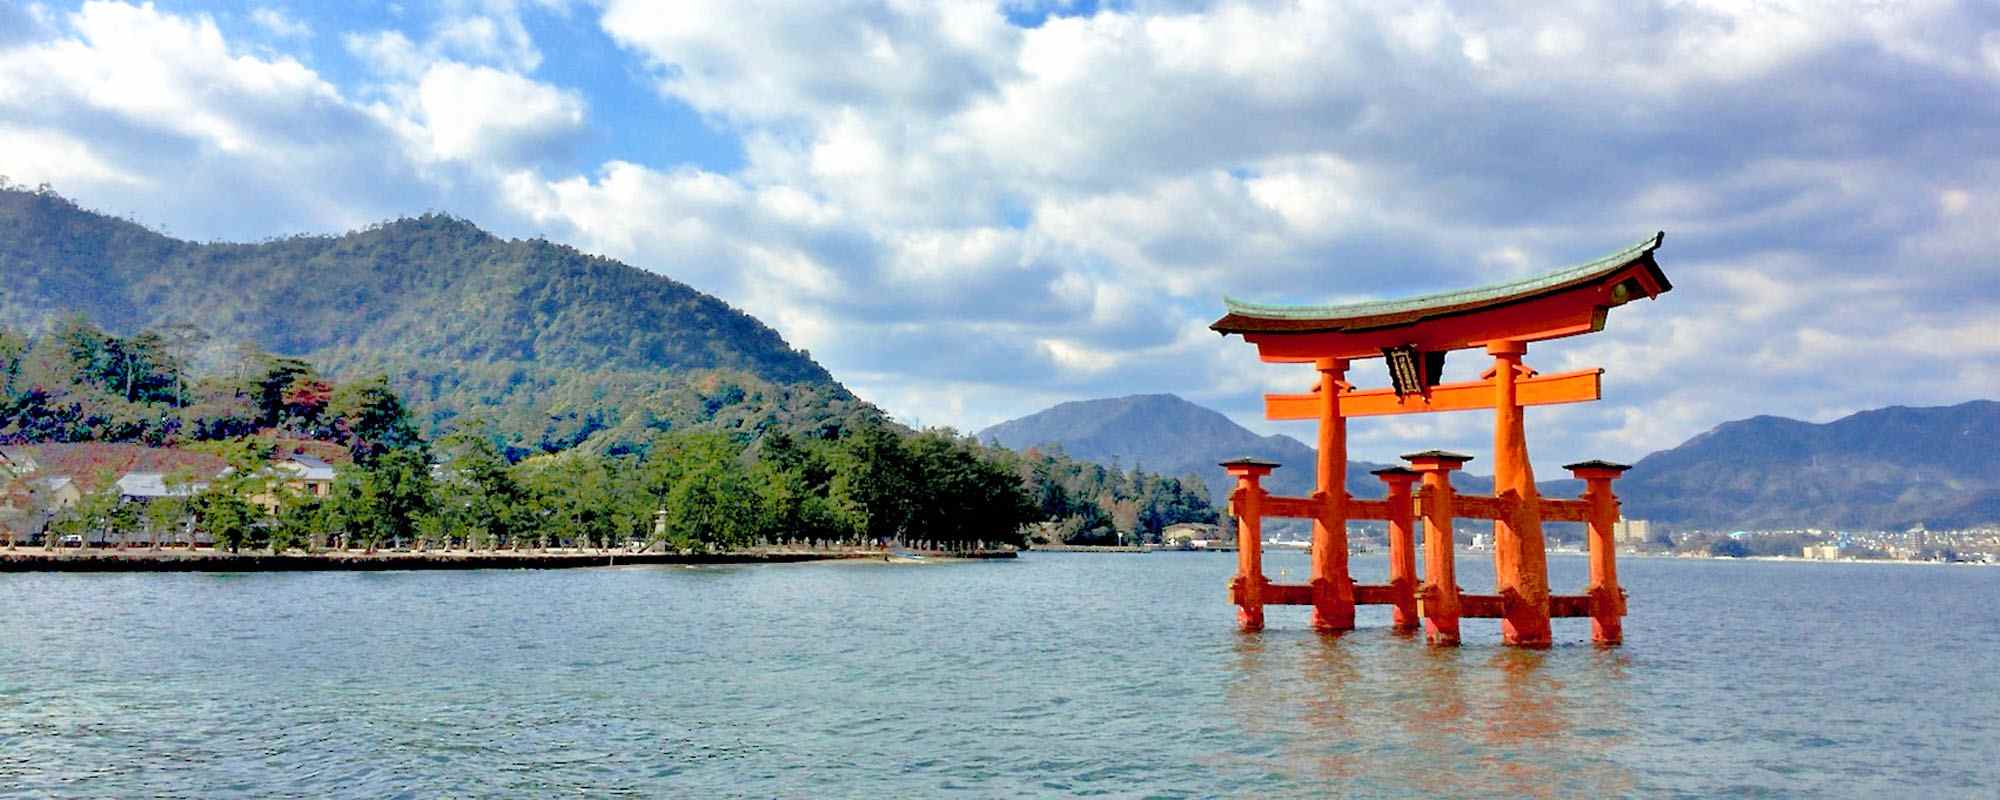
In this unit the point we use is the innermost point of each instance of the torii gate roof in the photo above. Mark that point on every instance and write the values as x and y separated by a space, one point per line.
1565 302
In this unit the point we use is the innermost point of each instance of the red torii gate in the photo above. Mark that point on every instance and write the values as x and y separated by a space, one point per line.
1413 335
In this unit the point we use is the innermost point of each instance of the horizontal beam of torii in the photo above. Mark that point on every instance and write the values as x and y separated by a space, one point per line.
1581 386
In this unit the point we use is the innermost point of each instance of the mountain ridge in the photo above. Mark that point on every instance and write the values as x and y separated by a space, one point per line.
551 344
1884 468
1180 438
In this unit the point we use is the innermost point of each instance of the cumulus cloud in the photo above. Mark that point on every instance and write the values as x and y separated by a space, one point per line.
475 112
968 219
119 98
280 24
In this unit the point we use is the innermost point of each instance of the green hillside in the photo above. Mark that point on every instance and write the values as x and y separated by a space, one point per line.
556 348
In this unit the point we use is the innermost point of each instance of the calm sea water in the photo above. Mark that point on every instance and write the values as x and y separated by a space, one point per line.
1057 674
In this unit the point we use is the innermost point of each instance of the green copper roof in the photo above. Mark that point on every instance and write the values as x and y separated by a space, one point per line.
1480 295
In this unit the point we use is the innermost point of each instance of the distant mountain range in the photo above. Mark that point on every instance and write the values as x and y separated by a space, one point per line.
1888 468
555 347
1883 469
1166 434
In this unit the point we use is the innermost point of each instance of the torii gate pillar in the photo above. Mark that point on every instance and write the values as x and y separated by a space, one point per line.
1520 563
1332 588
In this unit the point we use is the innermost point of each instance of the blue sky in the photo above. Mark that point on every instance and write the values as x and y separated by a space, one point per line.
970 211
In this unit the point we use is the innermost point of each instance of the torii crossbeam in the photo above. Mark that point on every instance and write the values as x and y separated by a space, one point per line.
1412 336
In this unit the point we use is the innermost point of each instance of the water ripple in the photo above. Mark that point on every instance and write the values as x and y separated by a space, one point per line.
1054 675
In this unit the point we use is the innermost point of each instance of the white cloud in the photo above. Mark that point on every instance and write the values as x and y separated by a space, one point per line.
280 24
966 220
481 113
45 156
389 52
170 74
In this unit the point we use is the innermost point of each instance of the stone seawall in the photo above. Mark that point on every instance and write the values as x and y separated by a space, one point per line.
169 561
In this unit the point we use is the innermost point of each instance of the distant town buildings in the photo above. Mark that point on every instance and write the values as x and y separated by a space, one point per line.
1191 536
1822 552
1630 531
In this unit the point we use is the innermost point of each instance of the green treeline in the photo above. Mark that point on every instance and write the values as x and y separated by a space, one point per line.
77 383
864 481
1089 504
553 348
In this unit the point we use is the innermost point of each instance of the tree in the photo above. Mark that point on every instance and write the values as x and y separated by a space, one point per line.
300 522
182 340
398 486
229 519
575 499
1728 548
477 495
712 507
177 507
371 419
350 509
873 483
266 378
97 511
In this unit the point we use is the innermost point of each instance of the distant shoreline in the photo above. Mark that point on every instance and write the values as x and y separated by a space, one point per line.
182 561
1465 551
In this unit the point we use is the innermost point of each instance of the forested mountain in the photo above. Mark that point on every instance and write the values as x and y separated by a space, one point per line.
1883 469
551 345
83 406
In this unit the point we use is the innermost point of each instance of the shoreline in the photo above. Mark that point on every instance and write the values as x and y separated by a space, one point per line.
352 561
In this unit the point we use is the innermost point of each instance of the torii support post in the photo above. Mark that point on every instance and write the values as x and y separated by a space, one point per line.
1246 503
1332 588
1520 561
1607 600
1439 595
1402 547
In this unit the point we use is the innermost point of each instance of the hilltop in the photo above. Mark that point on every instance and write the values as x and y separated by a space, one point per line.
556 347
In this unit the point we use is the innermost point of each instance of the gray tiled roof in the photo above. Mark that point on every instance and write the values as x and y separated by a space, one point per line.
1482 294
152 484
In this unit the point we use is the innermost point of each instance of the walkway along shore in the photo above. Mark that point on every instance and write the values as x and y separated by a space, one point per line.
35 560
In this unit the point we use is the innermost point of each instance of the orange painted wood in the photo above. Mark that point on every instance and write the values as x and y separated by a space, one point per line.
1482 606
1292 507
1376 594
1333 605
1566 510
1572 605
1466 506
1581 386
1438 599
1606 627
1401 508
1520 563
1371 509
1246 505
1288 594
